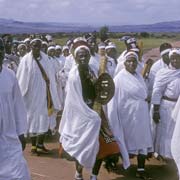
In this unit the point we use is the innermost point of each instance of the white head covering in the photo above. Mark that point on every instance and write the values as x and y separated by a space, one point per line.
36 39
174 50
22 44
65 47
50 48
131 54
44 42
110 46
58 47
26 40
81 47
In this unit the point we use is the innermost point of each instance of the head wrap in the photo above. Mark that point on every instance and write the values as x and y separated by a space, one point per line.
65 47
174 51
110 46
80 43
27 40
36 39
51 48
22 44
58 47
165 48
131 54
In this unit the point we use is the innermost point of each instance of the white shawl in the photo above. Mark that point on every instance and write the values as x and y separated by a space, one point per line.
80 125
162 79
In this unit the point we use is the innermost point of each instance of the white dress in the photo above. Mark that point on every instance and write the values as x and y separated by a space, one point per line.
167 83
129 115
13 123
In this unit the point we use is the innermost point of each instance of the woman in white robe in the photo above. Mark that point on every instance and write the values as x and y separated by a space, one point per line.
129 115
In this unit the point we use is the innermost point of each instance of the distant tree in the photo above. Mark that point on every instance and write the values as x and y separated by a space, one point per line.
144 34
103 33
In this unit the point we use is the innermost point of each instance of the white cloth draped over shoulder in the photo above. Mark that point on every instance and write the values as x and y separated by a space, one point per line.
120 66
167 83
13 122
129 115
175 146
33 89
80 125
162 79
159 64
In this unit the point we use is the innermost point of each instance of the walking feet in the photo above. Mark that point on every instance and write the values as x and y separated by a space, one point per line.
78 176
39 149
143 175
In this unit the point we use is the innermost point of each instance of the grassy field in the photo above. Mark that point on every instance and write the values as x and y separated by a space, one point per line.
148 43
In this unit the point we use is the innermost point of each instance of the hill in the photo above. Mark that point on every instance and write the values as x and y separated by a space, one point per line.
18 27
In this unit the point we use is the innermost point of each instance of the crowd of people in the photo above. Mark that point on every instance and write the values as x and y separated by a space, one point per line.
103 106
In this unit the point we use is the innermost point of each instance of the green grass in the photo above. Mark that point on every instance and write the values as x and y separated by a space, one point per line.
148 43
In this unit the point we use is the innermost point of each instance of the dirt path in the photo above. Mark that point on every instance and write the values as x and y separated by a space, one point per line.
154 53
51 167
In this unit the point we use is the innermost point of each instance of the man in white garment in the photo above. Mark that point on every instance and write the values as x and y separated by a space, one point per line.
175 146
11 61
129 115
22 50
38 87
166 91
111 51
59 55
13 126
163 62
80 125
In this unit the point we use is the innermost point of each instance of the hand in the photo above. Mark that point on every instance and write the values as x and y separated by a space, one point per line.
156 117
23 141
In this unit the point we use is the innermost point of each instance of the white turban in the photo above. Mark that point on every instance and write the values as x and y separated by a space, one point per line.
110 46
131 54
50 48
58 47
81 47
65 47
36 39
174 50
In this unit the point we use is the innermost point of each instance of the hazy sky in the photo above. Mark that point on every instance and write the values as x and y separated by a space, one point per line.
91 11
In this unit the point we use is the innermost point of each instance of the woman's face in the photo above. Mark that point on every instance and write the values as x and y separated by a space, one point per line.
175 60
131 64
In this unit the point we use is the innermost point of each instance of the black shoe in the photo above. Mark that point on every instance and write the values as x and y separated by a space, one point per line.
42 150
143 175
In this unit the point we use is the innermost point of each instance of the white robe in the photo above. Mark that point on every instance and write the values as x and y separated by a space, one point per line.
13 123
129 115
80 125
154 69
33 89
175 146
94 63
167 83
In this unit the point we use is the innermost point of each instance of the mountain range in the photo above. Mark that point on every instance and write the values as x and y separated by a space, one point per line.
18 27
